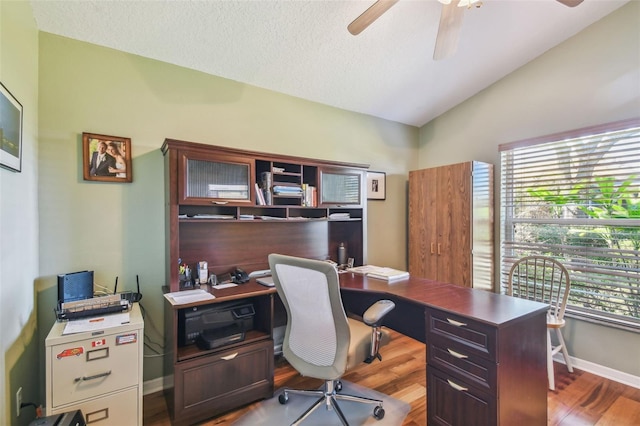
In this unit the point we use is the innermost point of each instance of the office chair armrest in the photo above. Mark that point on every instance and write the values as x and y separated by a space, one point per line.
374 315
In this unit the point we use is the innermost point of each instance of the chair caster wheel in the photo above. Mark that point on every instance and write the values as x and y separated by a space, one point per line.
338 386
378 413
283 398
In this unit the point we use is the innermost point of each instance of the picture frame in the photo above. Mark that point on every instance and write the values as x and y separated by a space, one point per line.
10 131
106 158
376 185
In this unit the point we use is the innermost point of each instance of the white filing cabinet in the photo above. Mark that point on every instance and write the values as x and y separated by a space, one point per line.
98 372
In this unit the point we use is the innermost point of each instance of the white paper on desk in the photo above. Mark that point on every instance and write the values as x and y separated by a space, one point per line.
96 323
188 296
221 286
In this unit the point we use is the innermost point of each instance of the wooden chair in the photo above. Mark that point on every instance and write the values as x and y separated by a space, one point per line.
545 280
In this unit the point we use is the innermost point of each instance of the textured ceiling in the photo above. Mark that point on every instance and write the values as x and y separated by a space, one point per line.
302 47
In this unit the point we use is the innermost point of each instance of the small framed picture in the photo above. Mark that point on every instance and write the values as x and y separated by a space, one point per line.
10 131
376 185
106 158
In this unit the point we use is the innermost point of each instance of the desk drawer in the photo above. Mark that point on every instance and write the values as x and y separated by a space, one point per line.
476 338
88 368
453 402
473 369
219 382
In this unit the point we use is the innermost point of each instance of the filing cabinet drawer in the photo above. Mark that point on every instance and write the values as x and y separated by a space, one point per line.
476 338
87 368
111 410
455 361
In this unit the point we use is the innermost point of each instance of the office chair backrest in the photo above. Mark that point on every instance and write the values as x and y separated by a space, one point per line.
542 279
316 341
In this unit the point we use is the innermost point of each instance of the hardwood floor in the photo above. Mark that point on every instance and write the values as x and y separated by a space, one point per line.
580 398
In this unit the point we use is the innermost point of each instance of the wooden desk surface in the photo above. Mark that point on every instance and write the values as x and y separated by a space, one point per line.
491 308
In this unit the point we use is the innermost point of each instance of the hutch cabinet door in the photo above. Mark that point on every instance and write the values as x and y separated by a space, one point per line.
342 187
218 179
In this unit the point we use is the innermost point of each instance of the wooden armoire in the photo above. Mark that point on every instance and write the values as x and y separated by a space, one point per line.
451 224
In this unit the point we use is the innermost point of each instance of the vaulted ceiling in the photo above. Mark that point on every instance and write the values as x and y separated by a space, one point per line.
302 47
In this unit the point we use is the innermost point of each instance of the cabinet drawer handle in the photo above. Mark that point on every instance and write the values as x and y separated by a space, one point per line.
229 357
97 376
220 203
456 354
457 386
456 323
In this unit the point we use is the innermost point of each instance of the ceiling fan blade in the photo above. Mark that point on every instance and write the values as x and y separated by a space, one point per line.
448 31
571 3
368 16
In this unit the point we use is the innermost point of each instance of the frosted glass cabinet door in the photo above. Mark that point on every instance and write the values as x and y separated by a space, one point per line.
340 187
210 179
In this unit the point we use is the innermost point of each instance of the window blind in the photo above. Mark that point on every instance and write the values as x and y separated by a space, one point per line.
576 197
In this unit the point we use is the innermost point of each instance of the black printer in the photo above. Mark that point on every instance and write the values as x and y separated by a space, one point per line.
214 325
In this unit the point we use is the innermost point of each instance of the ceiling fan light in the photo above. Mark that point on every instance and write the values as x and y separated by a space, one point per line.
445 1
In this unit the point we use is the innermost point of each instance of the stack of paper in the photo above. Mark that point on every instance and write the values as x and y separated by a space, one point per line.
380 272
188 296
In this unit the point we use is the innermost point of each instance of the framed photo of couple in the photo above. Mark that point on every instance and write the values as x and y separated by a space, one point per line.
106 158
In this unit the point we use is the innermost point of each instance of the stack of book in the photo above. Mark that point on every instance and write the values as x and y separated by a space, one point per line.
265 186
286 190
309 195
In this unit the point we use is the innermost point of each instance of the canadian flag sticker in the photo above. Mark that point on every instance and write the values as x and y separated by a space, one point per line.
97 343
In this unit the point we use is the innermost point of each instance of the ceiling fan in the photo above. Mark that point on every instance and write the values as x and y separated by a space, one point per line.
448 28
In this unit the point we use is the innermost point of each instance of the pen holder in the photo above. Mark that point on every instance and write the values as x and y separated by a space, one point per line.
185 280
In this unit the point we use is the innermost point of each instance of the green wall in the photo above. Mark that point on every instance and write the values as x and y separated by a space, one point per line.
19 219
592 78
117 229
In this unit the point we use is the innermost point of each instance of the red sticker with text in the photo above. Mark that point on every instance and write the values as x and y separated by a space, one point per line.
97 343
71 352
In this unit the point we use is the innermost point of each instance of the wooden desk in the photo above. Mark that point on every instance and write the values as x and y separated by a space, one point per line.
490 345
486 353
204 383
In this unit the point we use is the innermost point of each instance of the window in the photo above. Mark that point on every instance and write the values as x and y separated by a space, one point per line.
576 197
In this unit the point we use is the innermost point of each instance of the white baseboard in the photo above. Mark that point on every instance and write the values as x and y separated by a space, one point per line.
602 371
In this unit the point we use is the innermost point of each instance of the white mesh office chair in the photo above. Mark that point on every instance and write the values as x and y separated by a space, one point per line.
545 280
320 341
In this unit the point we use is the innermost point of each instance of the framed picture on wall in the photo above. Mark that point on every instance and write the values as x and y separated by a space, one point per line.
10 131
376 185
106 158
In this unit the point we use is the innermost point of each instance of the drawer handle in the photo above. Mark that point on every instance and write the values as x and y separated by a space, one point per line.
456 323
97 376
456 354
457 386
229 357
